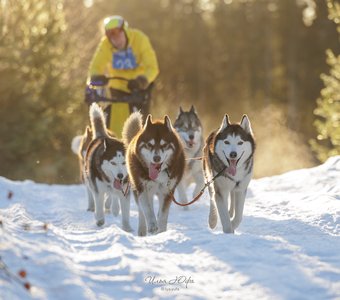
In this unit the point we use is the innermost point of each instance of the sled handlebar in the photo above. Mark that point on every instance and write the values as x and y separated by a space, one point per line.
102 80
132 98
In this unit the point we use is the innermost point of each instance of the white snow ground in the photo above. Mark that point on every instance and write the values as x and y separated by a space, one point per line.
287 247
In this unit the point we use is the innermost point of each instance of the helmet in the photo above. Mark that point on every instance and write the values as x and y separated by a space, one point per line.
114 22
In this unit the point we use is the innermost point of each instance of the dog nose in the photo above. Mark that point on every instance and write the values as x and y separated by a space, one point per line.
233 154
120 176
191 136
156 158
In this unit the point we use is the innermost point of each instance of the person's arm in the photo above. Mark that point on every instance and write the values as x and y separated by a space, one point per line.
149 60
100 59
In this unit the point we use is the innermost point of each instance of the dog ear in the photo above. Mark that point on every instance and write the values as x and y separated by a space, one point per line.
148 121
88 132
225 122
192 109
167 123
181 110
245 124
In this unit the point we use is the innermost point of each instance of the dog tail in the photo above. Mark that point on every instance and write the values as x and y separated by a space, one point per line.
97 121
75 144
132 126
212 215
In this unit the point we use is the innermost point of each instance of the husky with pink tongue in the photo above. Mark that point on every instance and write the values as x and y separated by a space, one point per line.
105 172
228 162
155 162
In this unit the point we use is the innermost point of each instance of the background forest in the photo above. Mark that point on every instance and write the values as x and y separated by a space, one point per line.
275 60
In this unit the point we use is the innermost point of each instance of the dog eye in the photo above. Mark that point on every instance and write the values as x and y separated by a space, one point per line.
149 145
226 142
113 163
240 143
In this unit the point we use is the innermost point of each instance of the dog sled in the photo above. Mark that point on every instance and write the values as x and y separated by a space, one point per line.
123 103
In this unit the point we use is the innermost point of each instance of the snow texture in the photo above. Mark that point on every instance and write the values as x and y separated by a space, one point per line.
287 246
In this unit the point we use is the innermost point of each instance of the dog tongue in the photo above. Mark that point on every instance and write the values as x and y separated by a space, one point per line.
117 184
232 167
154 170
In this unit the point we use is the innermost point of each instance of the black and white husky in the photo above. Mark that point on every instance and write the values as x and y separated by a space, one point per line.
189 128
105 170
229 151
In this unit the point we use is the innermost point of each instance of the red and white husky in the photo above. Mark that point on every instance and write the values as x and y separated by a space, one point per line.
155 162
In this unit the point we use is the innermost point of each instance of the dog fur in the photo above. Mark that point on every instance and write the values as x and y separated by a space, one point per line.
105 170
232 148
189 128
155 161
79 147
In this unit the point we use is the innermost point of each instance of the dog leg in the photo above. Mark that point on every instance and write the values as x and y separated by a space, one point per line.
163 213
141 222
114 205
90 200
109 204
232 205
99 208
240 197
125 205
213 211
182 194
222 207
147 207
199 180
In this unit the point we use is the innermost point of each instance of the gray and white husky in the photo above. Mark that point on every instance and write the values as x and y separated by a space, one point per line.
229 150
189 128
105 170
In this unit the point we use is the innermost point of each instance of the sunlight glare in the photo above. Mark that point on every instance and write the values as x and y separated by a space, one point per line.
88 3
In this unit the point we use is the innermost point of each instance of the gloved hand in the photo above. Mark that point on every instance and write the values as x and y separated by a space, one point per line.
90 95
98 80
137 84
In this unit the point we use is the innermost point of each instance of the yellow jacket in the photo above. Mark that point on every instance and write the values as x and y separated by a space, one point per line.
109 61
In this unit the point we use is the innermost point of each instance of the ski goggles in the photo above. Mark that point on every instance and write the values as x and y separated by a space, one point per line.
114 22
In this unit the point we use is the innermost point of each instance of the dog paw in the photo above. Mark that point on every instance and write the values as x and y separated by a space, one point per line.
127 228
141 232
100 222
153 228
212 221
228 230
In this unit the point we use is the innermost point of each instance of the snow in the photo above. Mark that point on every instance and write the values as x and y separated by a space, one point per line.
287 246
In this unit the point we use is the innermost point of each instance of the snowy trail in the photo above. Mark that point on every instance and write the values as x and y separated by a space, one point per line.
287 246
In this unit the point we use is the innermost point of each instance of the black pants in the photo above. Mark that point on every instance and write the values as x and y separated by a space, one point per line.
143 106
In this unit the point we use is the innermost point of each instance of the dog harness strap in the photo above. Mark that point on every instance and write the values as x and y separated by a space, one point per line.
127 189
189 203
199 194
194 158
219 165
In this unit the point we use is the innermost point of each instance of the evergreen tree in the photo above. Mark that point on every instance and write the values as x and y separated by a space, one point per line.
327 142
36 104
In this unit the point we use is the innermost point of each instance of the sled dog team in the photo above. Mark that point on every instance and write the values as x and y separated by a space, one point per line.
158 157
